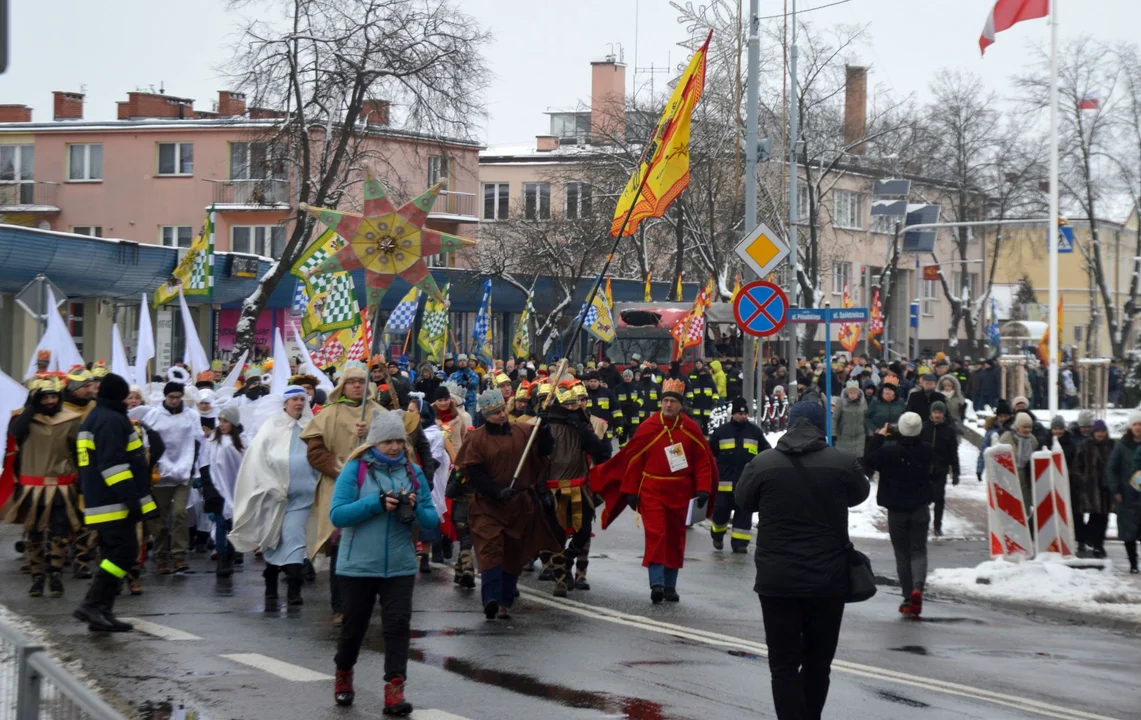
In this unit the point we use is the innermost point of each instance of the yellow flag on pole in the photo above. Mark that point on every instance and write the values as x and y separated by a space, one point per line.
646 295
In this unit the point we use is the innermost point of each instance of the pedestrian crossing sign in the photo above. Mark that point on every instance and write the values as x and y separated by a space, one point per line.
1065 239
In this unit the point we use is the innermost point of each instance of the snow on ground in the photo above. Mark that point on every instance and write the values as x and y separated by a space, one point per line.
1046 582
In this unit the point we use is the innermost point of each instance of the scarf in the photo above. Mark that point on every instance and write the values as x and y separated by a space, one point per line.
446 416
1025 449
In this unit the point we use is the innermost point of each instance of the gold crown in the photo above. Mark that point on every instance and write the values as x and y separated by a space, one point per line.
47 384
673 385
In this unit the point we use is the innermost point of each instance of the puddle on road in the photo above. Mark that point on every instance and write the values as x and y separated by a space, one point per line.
900 699
627 707
448 632
168 710
951 620
913 649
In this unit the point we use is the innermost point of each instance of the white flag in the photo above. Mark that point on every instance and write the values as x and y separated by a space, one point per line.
57 339
146 343
119 364
194 356
323 380
280 365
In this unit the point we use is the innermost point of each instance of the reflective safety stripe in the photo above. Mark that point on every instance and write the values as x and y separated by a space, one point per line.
112 568
117 474
725 485
751 446
133 442
653 394
147 504
726 444
105 513
604 403
719 529
618 413
741 535
622 397
84 443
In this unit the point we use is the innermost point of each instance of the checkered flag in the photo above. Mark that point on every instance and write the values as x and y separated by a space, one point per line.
434 327
404 314
339 310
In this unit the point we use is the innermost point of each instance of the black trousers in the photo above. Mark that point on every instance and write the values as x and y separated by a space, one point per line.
801 634
334 580
358 596
1093 529
939 493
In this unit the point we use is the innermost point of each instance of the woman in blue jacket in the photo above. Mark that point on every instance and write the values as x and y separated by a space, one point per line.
377 498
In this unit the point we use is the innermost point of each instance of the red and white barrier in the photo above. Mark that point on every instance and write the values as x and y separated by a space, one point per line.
1053 522
1009 531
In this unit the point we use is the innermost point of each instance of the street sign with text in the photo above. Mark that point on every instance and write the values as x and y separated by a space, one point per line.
828 315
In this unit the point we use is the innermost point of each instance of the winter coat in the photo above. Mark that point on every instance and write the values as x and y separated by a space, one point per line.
1069 447
734 383
944 443
469 381
956 403
1123 462
375 543
919 402
802 530
734 445
902 464
849 431
181 434
1089 476
719 378
989 382
881 411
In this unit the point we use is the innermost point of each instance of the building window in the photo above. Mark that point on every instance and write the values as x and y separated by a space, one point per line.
177 236
437 168
972 283
537 201
85 162
841 276
495 202
848 209
176 158
75 323
884 224
255 161
89 230
802 207
17 174
929 296
264 240
578 201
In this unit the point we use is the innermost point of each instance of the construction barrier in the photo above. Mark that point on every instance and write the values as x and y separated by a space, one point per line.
1006 512
1053 522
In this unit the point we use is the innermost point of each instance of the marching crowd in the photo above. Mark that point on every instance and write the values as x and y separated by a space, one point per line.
390 468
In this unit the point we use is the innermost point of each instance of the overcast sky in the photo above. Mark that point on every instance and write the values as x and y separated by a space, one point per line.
540 53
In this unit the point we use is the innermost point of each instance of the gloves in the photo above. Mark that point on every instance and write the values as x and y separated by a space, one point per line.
702 498
955 480
506 494
546 499
632 501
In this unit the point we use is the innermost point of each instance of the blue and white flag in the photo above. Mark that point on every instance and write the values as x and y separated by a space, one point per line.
994 339
404 314
481 333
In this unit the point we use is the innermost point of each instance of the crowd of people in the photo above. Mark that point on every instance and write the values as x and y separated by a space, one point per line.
388 469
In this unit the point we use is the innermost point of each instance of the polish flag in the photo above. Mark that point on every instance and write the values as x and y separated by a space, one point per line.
1008 12
1090 101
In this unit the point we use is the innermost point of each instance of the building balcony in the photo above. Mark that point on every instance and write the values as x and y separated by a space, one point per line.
454 206
28 197
251 194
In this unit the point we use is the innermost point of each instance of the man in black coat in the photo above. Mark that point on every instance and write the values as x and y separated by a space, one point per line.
734 444
941 437
802 490
903 461
920 399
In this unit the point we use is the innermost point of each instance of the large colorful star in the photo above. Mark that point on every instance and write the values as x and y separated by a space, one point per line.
387 241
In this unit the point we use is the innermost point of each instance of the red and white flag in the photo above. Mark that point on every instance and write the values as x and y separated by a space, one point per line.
1007 13
1090 101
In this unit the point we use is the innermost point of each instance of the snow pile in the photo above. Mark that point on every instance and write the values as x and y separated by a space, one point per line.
866 519
1046 582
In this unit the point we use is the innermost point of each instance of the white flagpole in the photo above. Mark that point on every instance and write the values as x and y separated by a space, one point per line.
1055 331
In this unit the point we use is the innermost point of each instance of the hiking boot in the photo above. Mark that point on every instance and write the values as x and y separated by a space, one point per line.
467 580
560 589
162 567
916 603
1099 553
343 688
740 549
718 541
938 532
394 702
181 568
425 568
657 594
671 594
55 584
491 609
98 620
37 589
580 582
83 572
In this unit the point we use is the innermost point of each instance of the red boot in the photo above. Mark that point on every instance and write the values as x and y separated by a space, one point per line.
916 603
343 688
394 702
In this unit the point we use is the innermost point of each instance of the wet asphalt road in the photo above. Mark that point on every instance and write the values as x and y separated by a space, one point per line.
606 653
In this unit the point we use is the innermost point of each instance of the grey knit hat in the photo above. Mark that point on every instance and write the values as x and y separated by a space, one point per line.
388 425
231 414
1022 420
1058 422
1086 418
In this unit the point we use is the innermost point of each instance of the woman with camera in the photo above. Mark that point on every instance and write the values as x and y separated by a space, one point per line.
378 496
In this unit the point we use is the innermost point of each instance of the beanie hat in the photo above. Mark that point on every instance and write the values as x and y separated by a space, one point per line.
810 411
740 406
386 425
172 387
1085 418
1023 420
295 391
910 424
1058 422
490 402
852 385
627 375
939 406
1020 400
442 393
1003 408
231 414
113 388
1135 417
1100 425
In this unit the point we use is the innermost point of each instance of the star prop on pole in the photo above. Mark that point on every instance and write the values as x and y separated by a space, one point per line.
387 241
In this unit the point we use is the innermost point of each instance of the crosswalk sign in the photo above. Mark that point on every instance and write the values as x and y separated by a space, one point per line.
1065 239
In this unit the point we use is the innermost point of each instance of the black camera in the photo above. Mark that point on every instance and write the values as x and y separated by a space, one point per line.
405 512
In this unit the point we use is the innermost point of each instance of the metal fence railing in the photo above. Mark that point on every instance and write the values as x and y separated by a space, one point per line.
34 687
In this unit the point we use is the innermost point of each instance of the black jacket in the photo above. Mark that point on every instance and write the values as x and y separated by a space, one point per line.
603 405
702 395
802 531
919 402
734 444
113 471
903 464
944 443
629 398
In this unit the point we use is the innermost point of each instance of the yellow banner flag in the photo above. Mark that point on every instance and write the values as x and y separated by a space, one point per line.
646 295
664 171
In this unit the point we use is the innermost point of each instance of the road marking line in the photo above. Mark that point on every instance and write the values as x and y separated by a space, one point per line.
437 715
851 668
287 671
159 631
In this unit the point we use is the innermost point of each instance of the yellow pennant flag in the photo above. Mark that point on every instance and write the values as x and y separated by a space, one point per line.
737 286
646 294
664 171
678 295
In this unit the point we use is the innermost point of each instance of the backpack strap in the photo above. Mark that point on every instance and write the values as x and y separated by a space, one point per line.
362 472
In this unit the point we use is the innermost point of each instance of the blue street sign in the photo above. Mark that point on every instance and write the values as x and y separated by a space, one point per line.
806 315
760 308
1065 239
914 315
828 315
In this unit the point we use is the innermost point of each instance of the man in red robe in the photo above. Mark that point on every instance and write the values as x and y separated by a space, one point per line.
665 465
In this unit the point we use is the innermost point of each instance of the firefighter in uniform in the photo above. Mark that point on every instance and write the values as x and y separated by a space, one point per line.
630 401
601 403
45 501
701 395
115 478
734 444
651 387
79 397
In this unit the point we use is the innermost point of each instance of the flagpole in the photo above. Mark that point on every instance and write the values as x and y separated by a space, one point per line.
1052 228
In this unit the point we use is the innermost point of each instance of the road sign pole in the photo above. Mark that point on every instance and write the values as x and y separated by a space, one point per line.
828 372
749 384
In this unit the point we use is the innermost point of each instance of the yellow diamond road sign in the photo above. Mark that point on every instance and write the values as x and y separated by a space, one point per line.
762 250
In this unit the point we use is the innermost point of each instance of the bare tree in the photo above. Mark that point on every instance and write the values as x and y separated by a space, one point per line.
320 65
1128 164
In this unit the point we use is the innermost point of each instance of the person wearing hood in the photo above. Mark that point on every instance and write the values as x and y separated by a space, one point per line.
734 444
993 428
221 457
1089 477
1020 437
116 482
427 380
1124 484
849 420
180 428
939 435
379 494
332 435
802 490
45 500
719 378
1021 404
952 390
884 409
902 460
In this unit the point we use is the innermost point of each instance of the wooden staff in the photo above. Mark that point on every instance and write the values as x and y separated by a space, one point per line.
546 404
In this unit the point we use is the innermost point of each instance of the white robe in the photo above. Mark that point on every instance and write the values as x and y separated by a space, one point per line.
225 460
